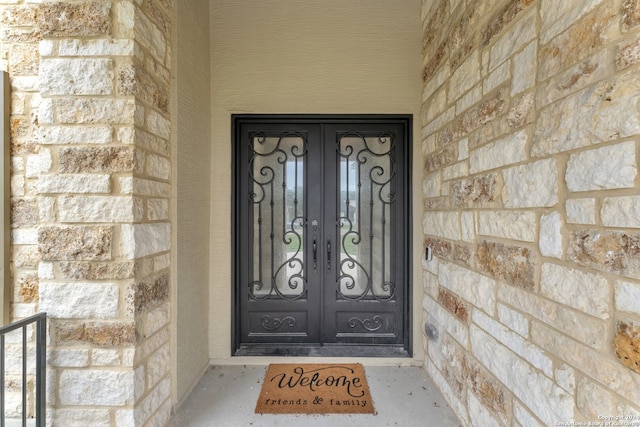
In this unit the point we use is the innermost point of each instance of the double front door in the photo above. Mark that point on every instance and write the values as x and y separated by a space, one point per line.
321 233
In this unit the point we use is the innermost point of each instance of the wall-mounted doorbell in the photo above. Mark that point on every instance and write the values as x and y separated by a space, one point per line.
428 253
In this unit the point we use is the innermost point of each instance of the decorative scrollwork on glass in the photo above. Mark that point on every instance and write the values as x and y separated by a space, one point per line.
366 172
371 325
276 195
273 324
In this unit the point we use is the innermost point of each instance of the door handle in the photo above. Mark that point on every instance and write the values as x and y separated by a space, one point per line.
315 254
329 254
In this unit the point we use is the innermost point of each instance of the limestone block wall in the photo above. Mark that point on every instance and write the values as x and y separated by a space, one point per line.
91 179
531 138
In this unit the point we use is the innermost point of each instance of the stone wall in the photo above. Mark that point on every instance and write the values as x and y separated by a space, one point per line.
90 198
530 147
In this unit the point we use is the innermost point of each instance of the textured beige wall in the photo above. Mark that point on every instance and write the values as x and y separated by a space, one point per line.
280 56
192 194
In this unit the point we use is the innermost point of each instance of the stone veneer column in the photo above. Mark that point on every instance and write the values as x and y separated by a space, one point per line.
90 201
531 130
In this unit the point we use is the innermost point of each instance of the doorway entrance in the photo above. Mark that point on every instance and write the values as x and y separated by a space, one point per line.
322 235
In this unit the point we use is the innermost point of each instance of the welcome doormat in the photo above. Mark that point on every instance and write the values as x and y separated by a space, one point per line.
315 389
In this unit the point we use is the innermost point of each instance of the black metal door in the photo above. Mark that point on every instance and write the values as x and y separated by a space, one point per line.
322 241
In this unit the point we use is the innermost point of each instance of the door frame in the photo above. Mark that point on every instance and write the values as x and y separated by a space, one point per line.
406 120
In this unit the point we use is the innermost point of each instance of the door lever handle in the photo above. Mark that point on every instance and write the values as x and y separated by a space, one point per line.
315 254
329 254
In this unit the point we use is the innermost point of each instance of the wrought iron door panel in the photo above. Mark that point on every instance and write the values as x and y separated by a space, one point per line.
272 252
365 296
366 169
321 225
365 324
276 171
273 324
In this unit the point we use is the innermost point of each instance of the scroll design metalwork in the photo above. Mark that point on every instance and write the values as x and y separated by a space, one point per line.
355 149
267 166
371 325
274 324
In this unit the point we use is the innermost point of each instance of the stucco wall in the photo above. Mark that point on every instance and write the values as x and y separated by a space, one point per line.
192 151
279 56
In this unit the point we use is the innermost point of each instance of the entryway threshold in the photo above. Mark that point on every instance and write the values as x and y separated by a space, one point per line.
353 351
227 395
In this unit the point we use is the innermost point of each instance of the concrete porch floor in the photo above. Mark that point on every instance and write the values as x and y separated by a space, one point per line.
227 395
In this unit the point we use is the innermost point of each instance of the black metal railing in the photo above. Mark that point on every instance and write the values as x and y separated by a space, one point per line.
40 321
